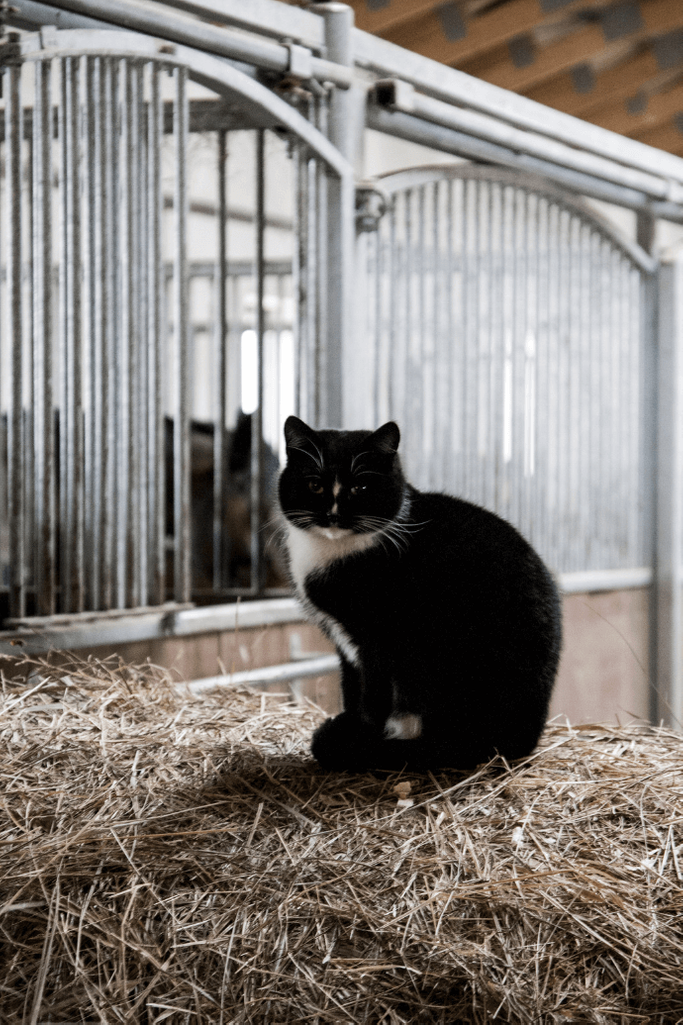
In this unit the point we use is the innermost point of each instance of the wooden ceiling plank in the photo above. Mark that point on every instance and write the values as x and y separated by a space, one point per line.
615 84
429 34
667 137
499 69
657 17
658 109
379 16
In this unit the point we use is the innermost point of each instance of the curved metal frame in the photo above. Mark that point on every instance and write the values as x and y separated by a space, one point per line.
212 72
396 181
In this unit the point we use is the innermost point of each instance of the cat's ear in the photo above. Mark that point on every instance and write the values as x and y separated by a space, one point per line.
297 433
387 437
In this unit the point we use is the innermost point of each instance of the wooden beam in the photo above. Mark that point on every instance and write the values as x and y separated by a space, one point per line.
615 84
444 34
656 111
667 137
380 16
498 67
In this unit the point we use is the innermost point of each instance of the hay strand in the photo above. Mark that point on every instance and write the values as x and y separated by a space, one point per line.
174 859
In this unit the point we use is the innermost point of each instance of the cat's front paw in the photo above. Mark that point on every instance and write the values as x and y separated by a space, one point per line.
403 727
344 743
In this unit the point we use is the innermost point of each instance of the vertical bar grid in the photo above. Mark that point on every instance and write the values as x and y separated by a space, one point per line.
535 406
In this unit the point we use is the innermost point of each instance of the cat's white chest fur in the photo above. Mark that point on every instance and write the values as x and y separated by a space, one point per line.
313 550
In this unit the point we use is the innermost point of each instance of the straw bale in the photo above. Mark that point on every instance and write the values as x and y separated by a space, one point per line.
172 859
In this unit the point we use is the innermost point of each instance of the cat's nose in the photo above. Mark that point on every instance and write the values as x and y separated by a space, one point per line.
332 519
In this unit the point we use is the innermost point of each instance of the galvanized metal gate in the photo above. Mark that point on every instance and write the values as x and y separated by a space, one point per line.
95 350
509 334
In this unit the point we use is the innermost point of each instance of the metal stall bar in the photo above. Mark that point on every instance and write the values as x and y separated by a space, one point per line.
92 301
107 230
257 415
340 207
155 414
125 544
138 435
668 600
71 404
220 467
310 341
44 567
132 424
299 276
320 277
181 440
15 334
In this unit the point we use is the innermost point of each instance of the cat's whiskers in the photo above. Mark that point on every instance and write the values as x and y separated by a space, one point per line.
300 518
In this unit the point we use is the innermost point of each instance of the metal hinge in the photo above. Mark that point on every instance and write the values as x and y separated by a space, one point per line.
372 202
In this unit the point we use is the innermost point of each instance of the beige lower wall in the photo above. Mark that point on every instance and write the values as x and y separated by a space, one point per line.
602 676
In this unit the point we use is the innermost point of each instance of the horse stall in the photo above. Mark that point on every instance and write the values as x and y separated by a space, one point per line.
215 215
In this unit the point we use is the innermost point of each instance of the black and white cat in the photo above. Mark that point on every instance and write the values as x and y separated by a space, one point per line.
446 621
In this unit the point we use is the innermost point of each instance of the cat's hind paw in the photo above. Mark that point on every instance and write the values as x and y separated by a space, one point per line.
403 727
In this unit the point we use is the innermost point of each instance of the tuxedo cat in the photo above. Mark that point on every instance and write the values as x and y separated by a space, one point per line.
446 621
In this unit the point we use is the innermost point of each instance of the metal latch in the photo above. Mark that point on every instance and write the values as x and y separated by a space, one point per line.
300 61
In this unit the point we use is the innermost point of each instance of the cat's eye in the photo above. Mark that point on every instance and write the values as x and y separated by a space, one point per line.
315 486
358 488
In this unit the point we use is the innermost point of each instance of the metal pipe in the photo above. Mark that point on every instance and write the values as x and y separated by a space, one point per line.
435 80
65 522
137 434
426 133
298 273
181 439
320 666
128 626
221 371
15 421
340 207
155 345
211 39
490 129
256 489
44 440
126 544
92 300
28 15
668 668
323 293
264 16
108 234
